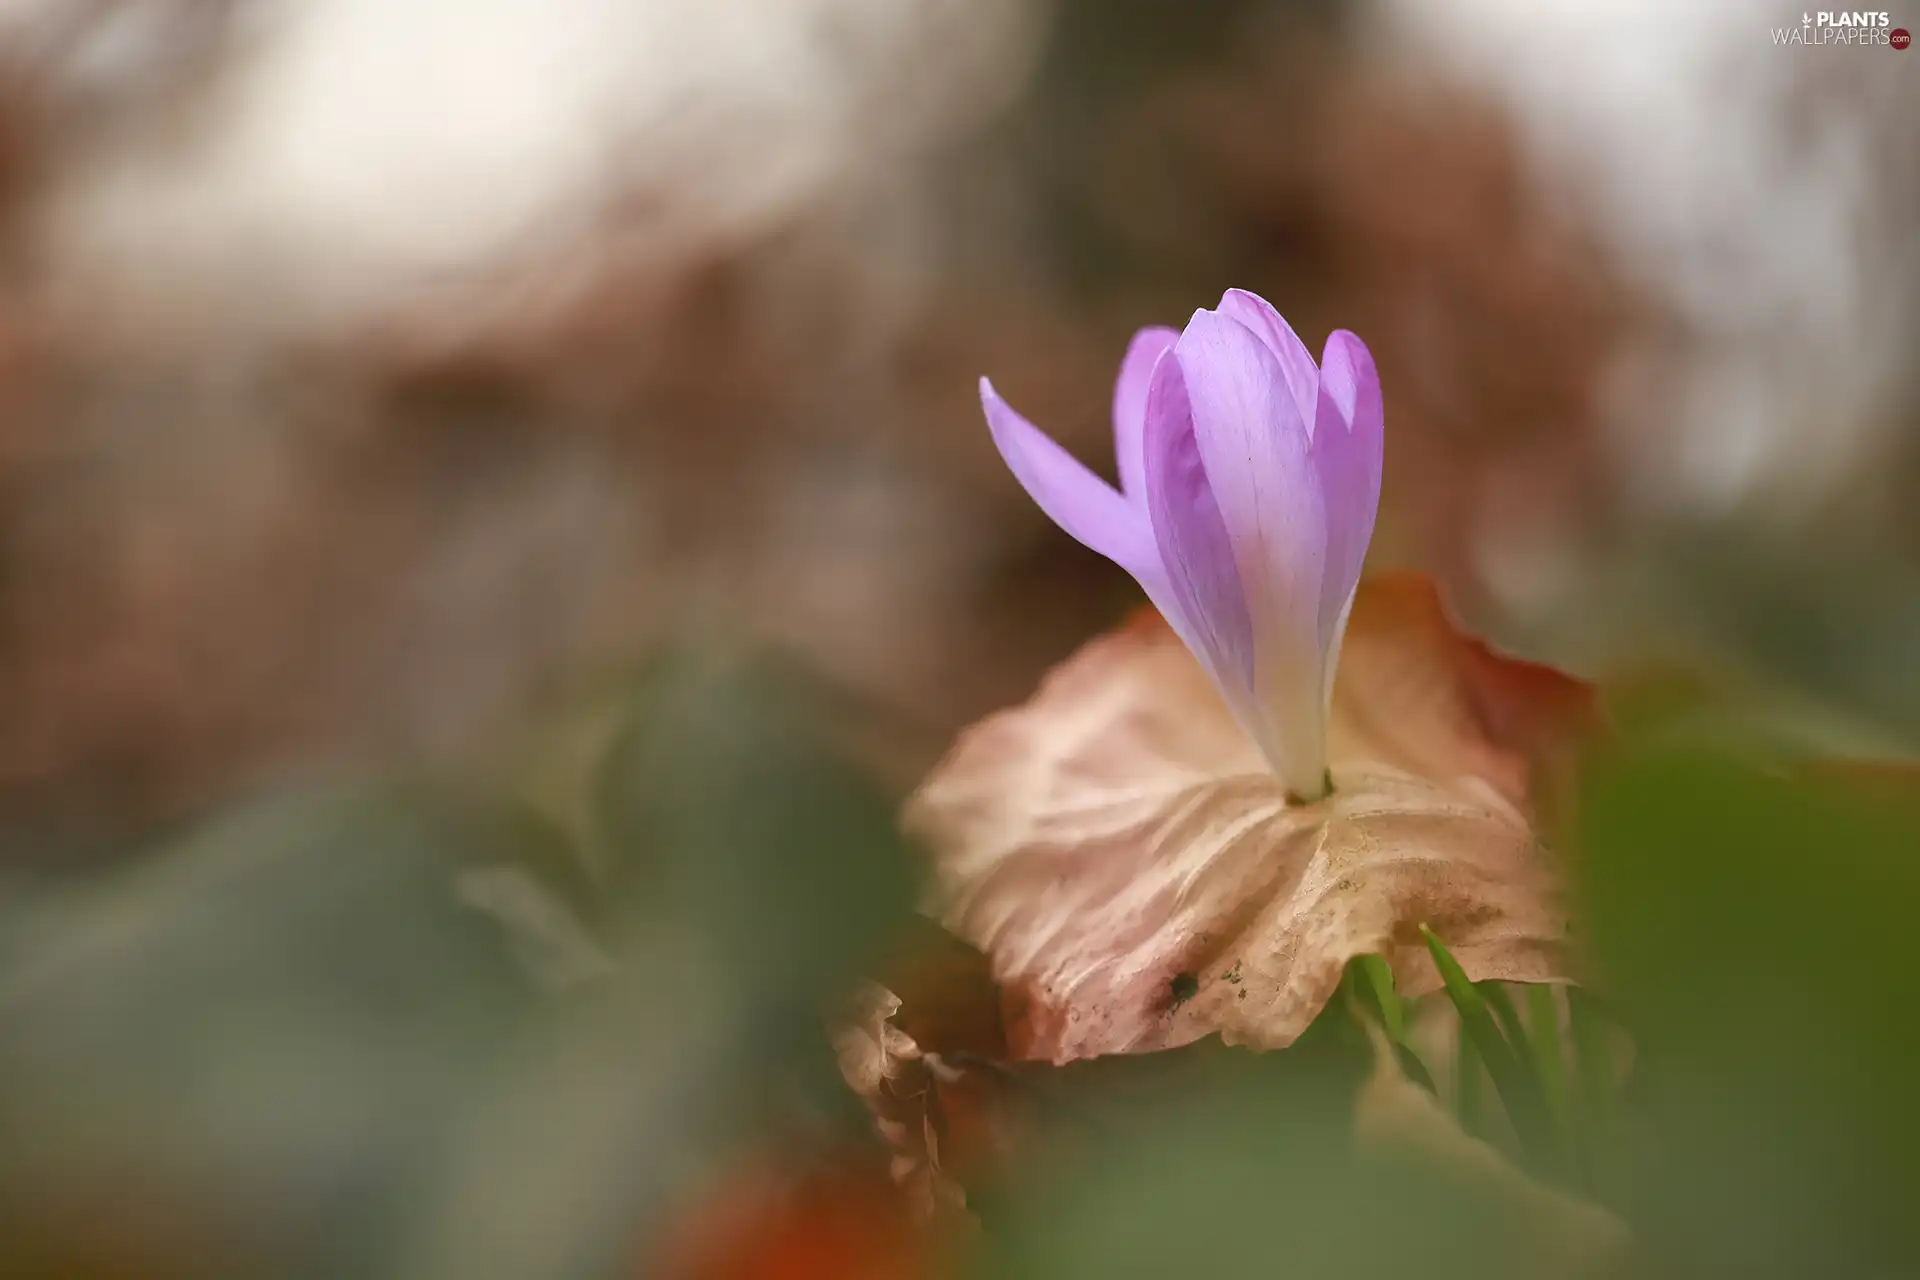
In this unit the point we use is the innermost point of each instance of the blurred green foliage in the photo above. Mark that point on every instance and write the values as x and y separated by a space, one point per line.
252 1035
1247 1168
408 1028
1757 925
417 1029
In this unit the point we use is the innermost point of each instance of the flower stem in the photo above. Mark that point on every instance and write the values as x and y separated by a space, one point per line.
1326 789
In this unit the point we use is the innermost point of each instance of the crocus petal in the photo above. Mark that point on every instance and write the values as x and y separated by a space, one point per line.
1130 405
1347 454
1080 502
1210 606
1248 482
1089 509
1268 325
1254 447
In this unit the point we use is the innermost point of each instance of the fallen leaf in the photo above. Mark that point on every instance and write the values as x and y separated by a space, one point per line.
870 1049
936 1117
1119 850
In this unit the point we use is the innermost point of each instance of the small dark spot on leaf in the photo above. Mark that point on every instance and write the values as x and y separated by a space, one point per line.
1185 987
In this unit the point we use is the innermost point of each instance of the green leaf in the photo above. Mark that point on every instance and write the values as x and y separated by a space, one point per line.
1756 923
726 808
1368 987
1414 1069
1468 1103
1536 1043
302 992
1393 1015
1519 1091
1593 1081
1501 1002
1230 1168
1548 1054
1549 1059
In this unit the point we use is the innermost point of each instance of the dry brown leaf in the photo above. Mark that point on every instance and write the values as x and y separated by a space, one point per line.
1119 850
870 1049
931 1114
883 1065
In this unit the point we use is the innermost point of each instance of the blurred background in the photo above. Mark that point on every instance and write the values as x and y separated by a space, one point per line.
369 370
384 382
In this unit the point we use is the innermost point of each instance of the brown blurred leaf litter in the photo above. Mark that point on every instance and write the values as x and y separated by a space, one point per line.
537 476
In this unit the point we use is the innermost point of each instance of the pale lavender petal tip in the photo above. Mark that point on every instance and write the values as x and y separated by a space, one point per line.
1080 502
1130 405
1348 454
1202 576
1256 450
1268 325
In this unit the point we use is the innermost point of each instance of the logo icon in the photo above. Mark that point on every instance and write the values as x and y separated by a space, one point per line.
1844 28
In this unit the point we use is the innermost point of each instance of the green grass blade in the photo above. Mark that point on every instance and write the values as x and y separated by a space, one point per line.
1550 1056
1414 1069
1512 1079
1594 1081
1358 993
1468 1105
1393 1013
1368 990
1507 1015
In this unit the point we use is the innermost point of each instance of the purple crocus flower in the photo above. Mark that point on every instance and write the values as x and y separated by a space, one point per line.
1249 479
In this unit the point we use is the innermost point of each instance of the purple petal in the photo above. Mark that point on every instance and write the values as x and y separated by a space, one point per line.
1209 608
1076 499
1268 325
1254 447
1348 446
1130 405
